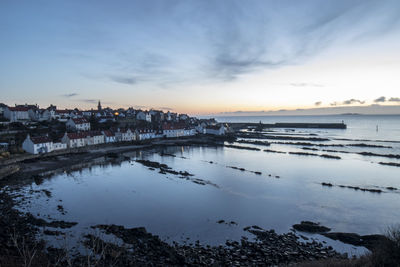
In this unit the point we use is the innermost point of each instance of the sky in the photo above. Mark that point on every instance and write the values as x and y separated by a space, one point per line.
202 57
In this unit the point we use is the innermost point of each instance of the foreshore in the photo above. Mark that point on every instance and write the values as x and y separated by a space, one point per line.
20 229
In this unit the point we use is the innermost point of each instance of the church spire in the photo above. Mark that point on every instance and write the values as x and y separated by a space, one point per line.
99 106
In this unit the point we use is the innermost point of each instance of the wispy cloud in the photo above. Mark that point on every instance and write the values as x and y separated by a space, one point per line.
123 79
352 101
384 99
91 101
394 99
347 102
69 95
380 99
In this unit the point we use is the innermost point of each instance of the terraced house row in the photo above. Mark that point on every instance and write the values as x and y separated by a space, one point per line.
43 144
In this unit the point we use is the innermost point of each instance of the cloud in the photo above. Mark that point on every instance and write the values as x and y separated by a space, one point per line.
69 95
383 99
123 79
394 99
352 101
306 85
380 99
347 102
179 41
318 103
91 101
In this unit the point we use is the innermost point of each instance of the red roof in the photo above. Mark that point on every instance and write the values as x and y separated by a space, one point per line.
108 133
76 135
94 133
63 111
80 120
40 139
173 126
18 108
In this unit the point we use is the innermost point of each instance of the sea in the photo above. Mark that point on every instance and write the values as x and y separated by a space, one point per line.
265 188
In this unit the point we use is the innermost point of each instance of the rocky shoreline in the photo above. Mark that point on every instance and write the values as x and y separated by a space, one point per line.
139 247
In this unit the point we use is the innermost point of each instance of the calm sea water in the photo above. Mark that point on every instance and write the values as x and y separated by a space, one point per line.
132 195
358 126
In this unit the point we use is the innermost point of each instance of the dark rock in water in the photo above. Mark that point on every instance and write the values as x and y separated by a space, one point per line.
311 227
370 154
185 173
261 143
112 155
368 241
303 154
46 192
390 164
374 190
258 173
256 227
327 184
274 151
330 156
391 188
246 228
233 223
221 221
56 224
243 147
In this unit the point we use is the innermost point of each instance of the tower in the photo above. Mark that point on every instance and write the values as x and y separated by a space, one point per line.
99 106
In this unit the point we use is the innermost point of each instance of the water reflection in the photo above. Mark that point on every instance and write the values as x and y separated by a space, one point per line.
125 192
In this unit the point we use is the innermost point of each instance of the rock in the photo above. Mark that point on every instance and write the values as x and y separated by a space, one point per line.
311 227
368 241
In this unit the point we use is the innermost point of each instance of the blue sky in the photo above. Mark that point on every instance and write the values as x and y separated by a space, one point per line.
200 56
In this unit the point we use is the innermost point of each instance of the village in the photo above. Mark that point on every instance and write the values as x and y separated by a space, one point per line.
31 129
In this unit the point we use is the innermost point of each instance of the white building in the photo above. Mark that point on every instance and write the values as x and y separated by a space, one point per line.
109 136
215 129
59 146
73 140
127 135
143 116
39 114
190 131
146 134
62 115
37 145
78 124
94 138
14 114
171 130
